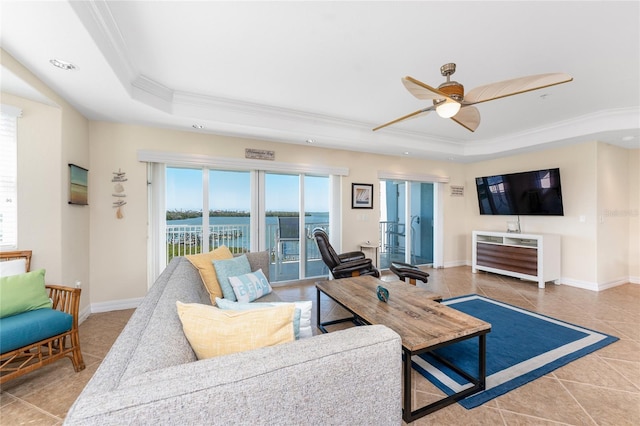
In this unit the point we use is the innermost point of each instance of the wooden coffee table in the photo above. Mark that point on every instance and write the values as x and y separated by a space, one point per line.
423 324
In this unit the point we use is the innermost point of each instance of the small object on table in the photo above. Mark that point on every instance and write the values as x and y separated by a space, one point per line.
383 294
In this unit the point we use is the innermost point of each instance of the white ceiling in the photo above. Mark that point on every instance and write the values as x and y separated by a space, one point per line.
330 71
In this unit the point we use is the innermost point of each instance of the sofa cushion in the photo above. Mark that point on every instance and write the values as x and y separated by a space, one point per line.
207 272
251 286
29 327
212 331
23 292
230 268
301 320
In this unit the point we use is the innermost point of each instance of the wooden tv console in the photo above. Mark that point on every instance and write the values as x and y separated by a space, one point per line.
534 257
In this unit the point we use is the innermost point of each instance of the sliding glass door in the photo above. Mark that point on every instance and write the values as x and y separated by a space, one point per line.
247 210
282 217
184 220
229 200
407 222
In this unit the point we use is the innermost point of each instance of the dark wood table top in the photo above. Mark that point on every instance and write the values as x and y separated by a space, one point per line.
410 311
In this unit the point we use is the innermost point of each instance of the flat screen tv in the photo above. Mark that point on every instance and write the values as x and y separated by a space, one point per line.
536 192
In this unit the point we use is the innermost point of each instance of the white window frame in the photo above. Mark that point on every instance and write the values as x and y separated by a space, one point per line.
159 160
9 176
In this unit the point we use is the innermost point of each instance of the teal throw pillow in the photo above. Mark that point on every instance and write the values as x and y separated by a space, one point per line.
251 286
301 318
230 268
22 293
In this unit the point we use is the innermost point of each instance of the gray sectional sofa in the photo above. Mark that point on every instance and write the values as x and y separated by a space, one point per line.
152 376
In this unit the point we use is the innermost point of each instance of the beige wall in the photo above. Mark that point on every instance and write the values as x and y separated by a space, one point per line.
634 214
51 137
613 214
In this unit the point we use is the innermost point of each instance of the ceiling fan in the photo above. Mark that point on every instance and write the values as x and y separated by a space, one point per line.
450 101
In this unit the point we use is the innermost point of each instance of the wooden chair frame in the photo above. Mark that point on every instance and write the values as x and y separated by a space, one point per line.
24 360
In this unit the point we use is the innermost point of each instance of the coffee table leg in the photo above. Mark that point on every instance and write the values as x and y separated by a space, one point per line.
482 367
406 412
319 324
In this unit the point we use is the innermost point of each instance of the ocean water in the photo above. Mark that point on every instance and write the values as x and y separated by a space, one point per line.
315 218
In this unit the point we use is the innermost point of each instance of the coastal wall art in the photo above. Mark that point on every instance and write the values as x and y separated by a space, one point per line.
362 196
118 192
78 185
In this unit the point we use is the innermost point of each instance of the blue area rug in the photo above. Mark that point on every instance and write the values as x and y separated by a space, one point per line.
521 347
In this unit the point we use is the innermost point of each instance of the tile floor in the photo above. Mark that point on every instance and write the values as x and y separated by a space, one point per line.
602 388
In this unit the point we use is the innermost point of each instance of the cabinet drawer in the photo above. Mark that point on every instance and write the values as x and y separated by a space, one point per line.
523 260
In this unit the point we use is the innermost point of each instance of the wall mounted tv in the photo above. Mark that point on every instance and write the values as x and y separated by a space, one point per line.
536 192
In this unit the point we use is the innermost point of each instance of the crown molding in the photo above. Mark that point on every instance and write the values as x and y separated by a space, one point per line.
96 17
586 125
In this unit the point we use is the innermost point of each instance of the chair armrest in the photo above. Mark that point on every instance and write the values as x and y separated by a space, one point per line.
355 265
351 256
65 299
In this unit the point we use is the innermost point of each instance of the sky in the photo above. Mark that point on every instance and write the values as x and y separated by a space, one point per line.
230 190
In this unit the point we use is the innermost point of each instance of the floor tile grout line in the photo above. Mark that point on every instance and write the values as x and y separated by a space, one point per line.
591 385
614 368
504 410
561 382
41 410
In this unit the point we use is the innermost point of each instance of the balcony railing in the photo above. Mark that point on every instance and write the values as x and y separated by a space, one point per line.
185 240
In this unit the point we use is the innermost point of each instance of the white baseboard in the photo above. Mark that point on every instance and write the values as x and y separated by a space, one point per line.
597 286
456 263
84 314
115 305
587 285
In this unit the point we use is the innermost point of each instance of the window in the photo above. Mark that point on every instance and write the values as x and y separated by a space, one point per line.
235 193
9 177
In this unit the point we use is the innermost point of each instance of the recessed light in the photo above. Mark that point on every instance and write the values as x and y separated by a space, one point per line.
310 141
628 138
67 66
406 153
198 126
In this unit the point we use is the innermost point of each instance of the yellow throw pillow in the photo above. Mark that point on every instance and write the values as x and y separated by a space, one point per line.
213 332
204 263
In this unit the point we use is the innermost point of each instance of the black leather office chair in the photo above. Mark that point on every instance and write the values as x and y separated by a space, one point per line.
406 270
345 265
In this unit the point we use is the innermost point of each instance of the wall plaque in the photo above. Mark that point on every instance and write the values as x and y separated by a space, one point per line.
457 191
259 154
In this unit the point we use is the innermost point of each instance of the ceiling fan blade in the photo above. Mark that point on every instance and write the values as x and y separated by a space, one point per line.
506 88
468 117
423 91
405 117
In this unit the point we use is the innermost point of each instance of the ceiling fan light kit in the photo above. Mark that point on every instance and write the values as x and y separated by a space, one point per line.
447 109
449 99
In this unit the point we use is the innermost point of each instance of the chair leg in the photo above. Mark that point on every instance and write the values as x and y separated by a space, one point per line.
77 360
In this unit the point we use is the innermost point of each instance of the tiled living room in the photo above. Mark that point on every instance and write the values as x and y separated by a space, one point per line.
133 96
602 388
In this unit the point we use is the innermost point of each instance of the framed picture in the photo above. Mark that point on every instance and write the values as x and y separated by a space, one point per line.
78 185
361 196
